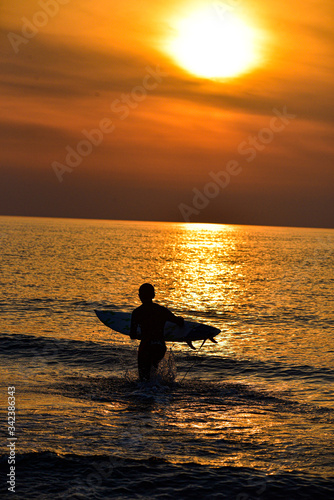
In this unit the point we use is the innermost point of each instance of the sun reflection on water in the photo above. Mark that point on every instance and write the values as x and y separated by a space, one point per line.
205 266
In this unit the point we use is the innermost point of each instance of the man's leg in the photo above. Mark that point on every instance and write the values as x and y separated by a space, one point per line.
144 363
157 353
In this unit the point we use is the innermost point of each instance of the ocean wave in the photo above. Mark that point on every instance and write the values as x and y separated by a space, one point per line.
219 395
46 474
106 354
52 350
268 368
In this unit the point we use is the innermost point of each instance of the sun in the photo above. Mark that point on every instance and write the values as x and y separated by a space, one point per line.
210 44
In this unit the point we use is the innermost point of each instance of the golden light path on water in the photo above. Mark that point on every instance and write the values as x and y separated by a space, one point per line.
208 263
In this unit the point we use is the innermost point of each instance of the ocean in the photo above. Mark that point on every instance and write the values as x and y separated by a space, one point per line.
248 418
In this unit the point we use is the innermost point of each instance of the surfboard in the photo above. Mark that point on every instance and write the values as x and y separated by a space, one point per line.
120 322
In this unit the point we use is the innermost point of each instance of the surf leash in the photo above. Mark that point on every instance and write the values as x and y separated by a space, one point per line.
191 366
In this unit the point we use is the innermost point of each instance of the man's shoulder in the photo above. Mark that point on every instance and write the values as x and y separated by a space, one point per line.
137 310
154 307
161 309
159 306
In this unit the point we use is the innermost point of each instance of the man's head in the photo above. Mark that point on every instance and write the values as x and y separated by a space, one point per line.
146 292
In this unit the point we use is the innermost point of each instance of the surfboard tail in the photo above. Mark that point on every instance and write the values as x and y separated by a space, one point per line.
190 344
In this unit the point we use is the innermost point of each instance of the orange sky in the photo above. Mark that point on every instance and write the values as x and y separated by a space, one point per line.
86 56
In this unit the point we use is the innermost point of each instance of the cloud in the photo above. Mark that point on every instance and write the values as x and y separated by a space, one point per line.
55 70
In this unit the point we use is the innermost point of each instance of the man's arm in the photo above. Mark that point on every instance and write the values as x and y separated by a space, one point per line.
175 319
179 320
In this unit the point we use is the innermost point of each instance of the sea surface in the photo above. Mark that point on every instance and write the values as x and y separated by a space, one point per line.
248 418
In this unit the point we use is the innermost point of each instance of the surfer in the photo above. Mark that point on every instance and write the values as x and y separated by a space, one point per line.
151 318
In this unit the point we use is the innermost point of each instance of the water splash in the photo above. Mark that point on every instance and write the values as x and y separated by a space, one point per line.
165 374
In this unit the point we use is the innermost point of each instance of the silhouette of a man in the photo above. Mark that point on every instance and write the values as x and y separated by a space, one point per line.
151 318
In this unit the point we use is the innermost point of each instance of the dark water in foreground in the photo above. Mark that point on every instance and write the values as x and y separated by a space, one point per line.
251 419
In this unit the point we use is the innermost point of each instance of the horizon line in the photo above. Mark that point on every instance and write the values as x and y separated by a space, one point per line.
164 221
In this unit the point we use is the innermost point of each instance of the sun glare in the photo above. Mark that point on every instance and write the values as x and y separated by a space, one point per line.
213 45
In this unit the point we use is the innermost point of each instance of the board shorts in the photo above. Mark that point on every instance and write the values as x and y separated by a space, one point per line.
150 354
